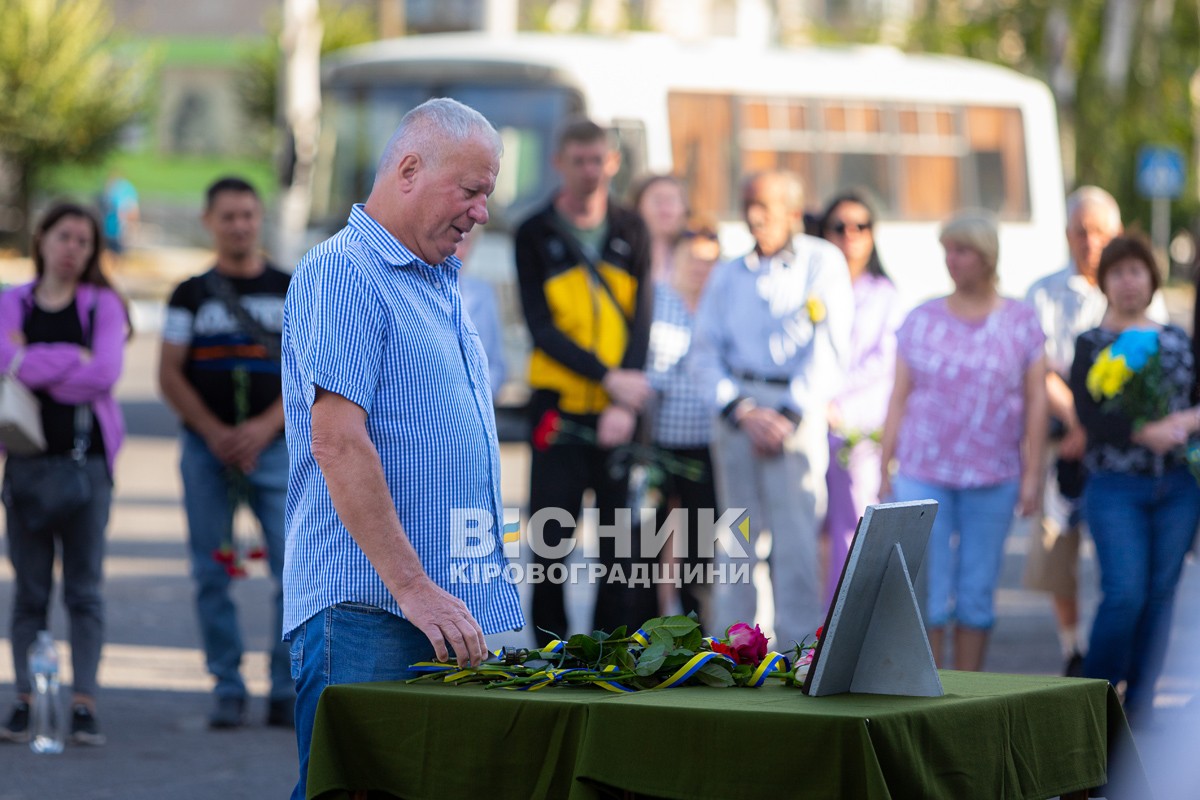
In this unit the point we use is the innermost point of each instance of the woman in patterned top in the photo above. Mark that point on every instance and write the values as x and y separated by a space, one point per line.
859 408
967 426
1141 504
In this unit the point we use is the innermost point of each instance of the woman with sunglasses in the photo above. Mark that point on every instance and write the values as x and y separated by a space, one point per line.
856 415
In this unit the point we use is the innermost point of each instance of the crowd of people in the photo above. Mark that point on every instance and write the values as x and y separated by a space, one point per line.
350 405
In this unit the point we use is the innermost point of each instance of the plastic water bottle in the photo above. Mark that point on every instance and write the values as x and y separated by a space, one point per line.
47 722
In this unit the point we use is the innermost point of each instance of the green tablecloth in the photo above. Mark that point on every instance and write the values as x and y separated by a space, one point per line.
995 736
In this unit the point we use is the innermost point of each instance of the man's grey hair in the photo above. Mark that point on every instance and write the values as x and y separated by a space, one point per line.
1093 197
793 187
435 128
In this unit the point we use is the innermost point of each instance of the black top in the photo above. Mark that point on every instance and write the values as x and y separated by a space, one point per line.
231 369
58 419
1109 430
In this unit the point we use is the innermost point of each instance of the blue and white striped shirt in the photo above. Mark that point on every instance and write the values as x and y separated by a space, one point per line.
367 319
683 417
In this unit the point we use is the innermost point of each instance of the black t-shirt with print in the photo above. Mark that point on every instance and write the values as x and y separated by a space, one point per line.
234 373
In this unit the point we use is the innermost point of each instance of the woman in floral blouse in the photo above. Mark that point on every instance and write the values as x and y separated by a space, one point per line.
1141 503
967 427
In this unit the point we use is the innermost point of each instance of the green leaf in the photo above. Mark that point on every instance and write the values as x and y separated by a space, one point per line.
651 659
693 641
584 647
715 673
669 628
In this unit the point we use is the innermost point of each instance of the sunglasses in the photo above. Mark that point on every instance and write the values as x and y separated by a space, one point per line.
854 227
706 234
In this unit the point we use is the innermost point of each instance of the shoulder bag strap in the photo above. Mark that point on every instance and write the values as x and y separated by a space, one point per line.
577 252
224 292
83 411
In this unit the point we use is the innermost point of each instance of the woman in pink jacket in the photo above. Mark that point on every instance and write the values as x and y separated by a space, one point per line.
68 330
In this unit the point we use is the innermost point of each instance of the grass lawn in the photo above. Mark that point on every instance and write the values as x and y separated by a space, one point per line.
162 178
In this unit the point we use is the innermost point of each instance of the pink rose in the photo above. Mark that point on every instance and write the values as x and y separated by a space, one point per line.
749 643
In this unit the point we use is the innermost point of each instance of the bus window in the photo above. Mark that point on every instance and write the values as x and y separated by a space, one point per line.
930 188
631 142
356 126
359 121
701 148
996 142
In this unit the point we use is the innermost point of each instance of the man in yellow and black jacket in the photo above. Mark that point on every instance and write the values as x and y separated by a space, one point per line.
583 265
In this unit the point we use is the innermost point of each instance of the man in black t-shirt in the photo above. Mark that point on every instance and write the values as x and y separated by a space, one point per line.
220 371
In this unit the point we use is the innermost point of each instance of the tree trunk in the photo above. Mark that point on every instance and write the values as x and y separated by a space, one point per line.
22 177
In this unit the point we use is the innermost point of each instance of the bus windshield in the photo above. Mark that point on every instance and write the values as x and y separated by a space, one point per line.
359 119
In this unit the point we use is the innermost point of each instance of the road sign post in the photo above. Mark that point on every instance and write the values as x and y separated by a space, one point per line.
1160 177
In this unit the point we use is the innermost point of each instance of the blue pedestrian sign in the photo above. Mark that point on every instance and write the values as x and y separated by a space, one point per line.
1160 172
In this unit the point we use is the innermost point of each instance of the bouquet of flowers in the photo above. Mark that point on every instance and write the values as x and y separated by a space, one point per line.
645 466
1127 376
852 438
236 550
664 653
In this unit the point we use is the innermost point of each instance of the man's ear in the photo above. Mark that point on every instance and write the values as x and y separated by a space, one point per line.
407 169
612 163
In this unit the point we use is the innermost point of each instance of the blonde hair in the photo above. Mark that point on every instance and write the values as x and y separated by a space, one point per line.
977 230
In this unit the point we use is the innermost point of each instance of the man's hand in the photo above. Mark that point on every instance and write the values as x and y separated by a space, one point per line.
445 619
767 429
615 426
222 442
627 387
1073 443
253 436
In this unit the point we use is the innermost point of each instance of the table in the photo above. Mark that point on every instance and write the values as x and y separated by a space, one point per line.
995 736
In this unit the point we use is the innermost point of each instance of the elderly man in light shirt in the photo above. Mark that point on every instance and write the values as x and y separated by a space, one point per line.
772 335
1069 302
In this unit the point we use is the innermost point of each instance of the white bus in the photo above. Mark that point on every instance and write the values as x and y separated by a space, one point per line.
925 135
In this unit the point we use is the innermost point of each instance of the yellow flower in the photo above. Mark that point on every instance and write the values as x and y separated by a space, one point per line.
815 308
1108 375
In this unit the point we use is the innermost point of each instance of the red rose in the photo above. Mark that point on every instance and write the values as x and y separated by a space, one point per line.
256 553
817 635
546 431
725 650
224 555
749 643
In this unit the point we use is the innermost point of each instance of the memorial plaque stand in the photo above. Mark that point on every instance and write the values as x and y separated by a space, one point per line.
874 640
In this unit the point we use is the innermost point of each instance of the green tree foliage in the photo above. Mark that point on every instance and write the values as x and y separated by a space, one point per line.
258 75
65 94
1105 114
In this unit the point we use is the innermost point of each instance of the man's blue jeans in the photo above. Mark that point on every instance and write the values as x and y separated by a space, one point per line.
348 643
208 493
1142 526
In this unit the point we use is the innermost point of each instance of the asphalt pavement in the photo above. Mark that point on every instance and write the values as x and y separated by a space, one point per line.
155 692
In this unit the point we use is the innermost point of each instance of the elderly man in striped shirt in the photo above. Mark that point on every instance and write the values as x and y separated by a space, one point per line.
390 427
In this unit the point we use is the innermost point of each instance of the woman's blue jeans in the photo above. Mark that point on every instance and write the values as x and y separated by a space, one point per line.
965 550
348 643
1143 526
